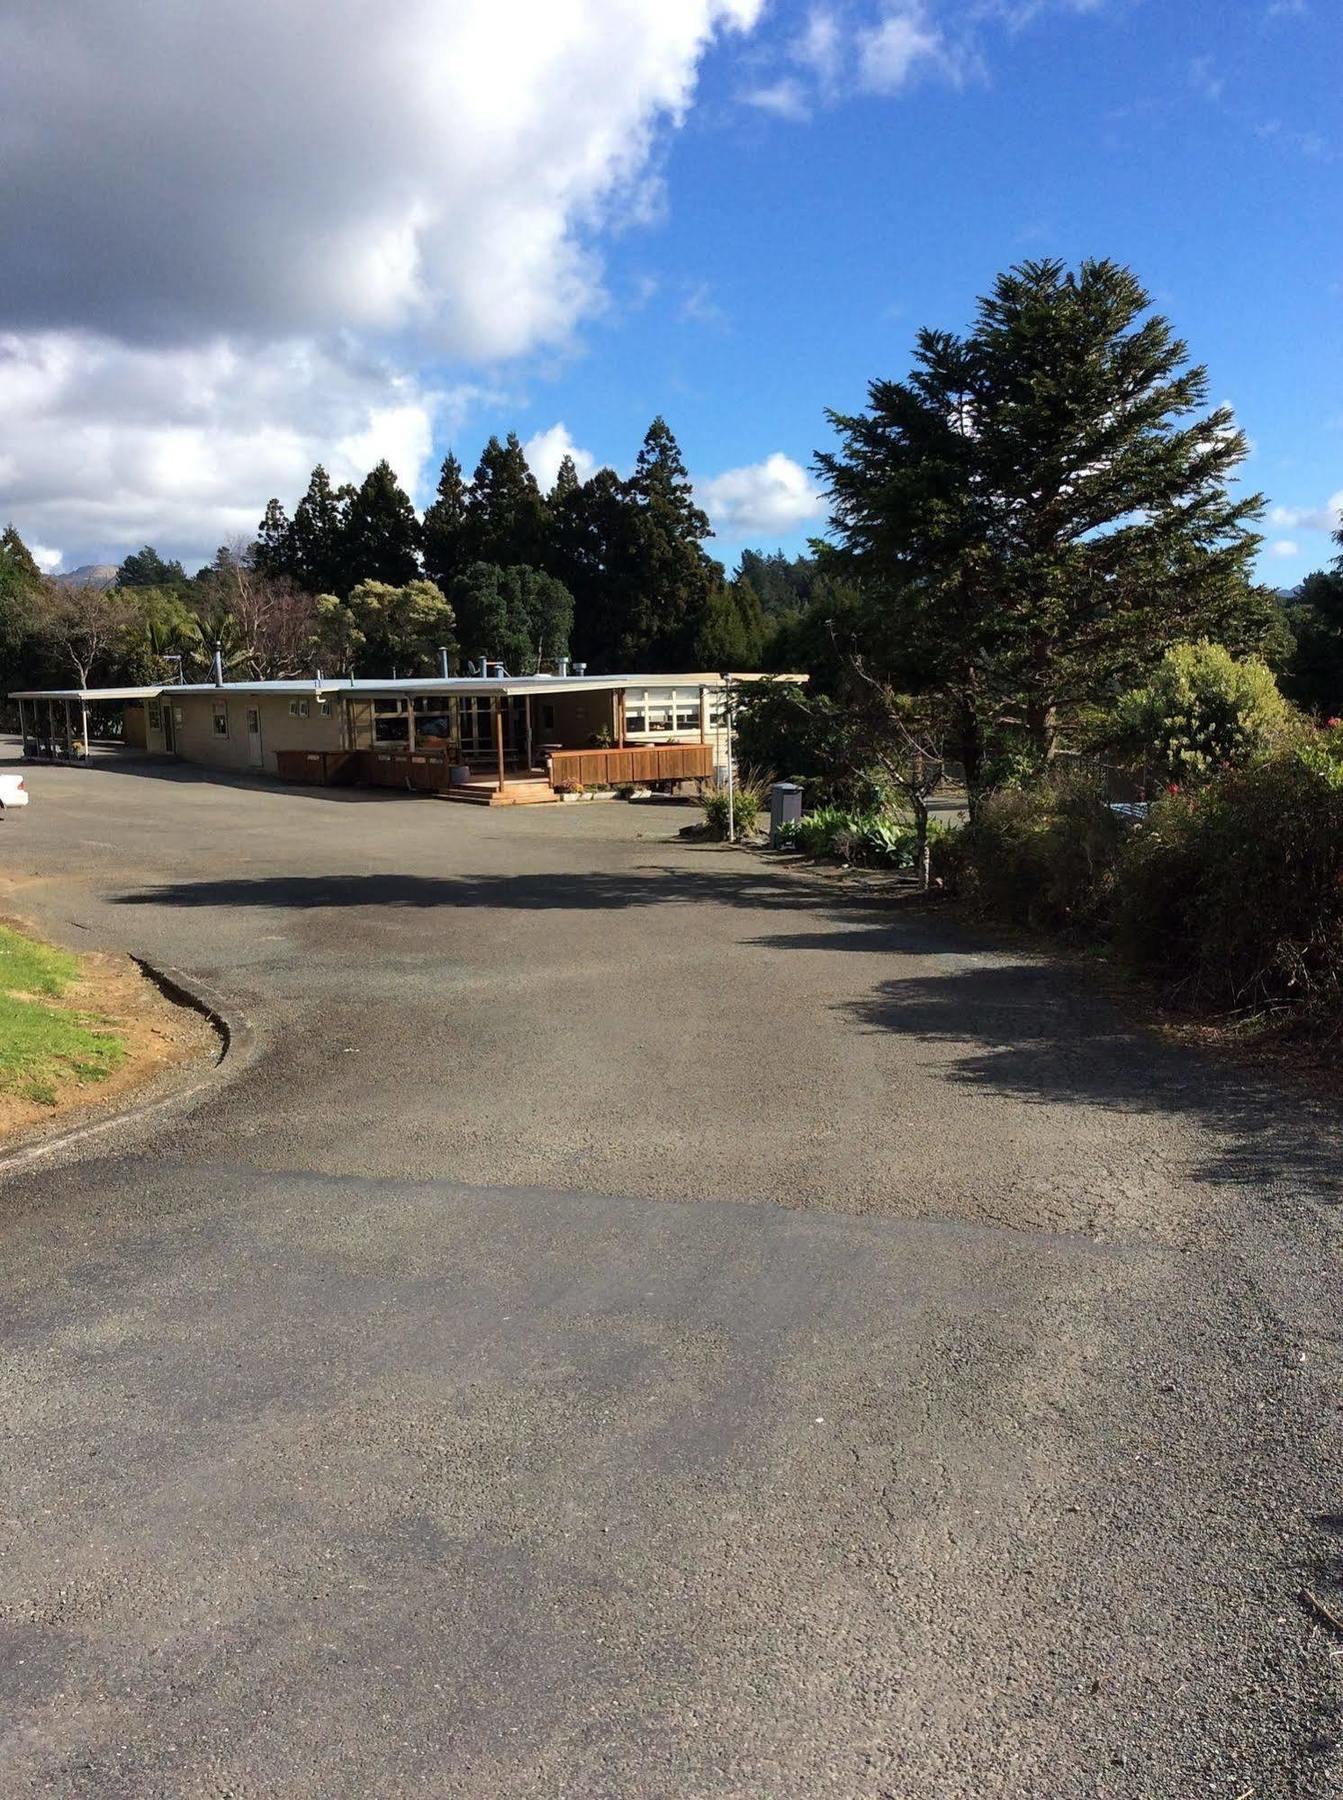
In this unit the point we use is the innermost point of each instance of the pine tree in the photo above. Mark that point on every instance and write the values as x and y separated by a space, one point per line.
519 616
382 537
274 550
445 525
317 545
566 481
674 576
1042 507
147 569
505 514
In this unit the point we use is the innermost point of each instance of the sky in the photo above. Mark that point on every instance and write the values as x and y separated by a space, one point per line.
244 238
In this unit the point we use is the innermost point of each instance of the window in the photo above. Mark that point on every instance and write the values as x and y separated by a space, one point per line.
254 720
659 709
687 709
548 718
324 707
303 709
293 709
391 725
221 718
635 713
156 715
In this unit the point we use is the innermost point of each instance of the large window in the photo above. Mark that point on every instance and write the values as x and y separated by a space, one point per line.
221 718
659 712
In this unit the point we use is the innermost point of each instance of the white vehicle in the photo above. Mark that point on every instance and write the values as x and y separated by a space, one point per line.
12 792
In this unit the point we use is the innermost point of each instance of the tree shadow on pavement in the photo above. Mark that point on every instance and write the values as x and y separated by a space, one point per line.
1037 1033
882 922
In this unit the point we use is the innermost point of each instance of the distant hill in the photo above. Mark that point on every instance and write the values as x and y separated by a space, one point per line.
89 575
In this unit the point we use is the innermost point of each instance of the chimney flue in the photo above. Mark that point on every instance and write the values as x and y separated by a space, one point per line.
443 661
217 668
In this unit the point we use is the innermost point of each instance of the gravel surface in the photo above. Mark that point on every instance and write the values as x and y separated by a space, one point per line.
644 1323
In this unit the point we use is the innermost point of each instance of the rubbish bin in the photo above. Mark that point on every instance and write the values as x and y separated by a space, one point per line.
785 808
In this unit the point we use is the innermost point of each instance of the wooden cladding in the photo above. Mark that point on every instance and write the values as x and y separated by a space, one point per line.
634 765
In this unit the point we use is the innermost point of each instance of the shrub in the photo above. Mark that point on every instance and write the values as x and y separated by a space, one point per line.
872 840
1234 894
1043 856
1203 711
749 797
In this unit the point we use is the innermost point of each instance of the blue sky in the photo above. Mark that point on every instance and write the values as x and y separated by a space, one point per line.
565 216
796 256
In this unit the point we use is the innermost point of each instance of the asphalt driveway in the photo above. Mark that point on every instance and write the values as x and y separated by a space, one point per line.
645 1323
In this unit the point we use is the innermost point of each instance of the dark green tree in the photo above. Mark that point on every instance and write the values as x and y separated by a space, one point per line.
506 519
731 631
274 551
318 538
1042 507
566 481
445 526
519 616
382 537
147 569
1314 673
674 576
20 584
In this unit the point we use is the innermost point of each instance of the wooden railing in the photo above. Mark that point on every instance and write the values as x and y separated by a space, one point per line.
637 763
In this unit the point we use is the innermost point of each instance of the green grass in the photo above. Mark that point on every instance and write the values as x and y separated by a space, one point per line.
42 1045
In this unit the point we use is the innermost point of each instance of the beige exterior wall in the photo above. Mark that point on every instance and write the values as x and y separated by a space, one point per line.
198 741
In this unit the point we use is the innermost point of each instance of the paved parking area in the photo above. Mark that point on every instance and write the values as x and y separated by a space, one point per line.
644 1323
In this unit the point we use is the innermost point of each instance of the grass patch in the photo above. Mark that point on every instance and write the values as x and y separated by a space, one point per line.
44 1046
27 967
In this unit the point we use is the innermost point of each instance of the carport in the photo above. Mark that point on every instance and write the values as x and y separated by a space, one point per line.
54 722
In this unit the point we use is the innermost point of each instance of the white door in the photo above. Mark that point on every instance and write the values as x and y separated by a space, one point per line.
254 736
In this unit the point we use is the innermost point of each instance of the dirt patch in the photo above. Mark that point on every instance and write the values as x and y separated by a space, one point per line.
157 1033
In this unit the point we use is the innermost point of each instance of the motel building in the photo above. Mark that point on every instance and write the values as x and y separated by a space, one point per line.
493 739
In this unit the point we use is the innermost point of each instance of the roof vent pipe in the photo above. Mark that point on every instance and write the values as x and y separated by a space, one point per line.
217 667
443 662
562 665
580 668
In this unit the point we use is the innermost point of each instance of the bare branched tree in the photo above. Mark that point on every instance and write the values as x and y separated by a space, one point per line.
266 620
85 626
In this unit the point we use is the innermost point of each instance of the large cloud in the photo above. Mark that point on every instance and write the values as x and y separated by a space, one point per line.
773 497
201 201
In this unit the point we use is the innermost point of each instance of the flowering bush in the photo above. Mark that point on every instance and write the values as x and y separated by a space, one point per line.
1203 711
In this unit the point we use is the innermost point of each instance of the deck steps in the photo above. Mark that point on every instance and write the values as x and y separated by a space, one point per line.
515 793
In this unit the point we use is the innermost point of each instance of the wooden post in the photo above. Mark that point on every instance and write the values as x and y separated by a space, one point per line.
499 737
620 718
84 727
69 734
410 724
527 706
23 735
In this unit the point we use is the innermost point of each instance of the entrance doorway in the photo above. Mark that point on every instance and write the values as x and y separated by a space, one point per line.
254 756
169 728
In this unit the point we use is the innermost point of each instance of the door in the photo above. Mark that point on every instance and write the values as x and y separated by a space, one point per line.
169 729
254 758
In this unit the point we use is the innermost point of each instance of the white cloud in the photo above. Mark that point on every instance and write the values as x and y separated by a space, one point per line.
1328 517
785 98
820 47
245 272
891 52
1204 79
546 450
47 560
776 495
1284 547
120 444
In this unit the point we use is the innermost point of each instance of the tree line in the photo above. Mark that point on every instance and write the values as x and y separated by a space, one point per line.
610 571
1018 530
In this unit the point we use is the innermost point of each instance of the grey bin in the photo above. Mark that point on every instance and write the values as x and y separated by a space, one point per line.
785 808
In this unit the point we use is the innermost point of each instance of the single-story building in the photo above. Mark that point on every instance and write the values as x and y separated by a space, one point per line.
497 739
